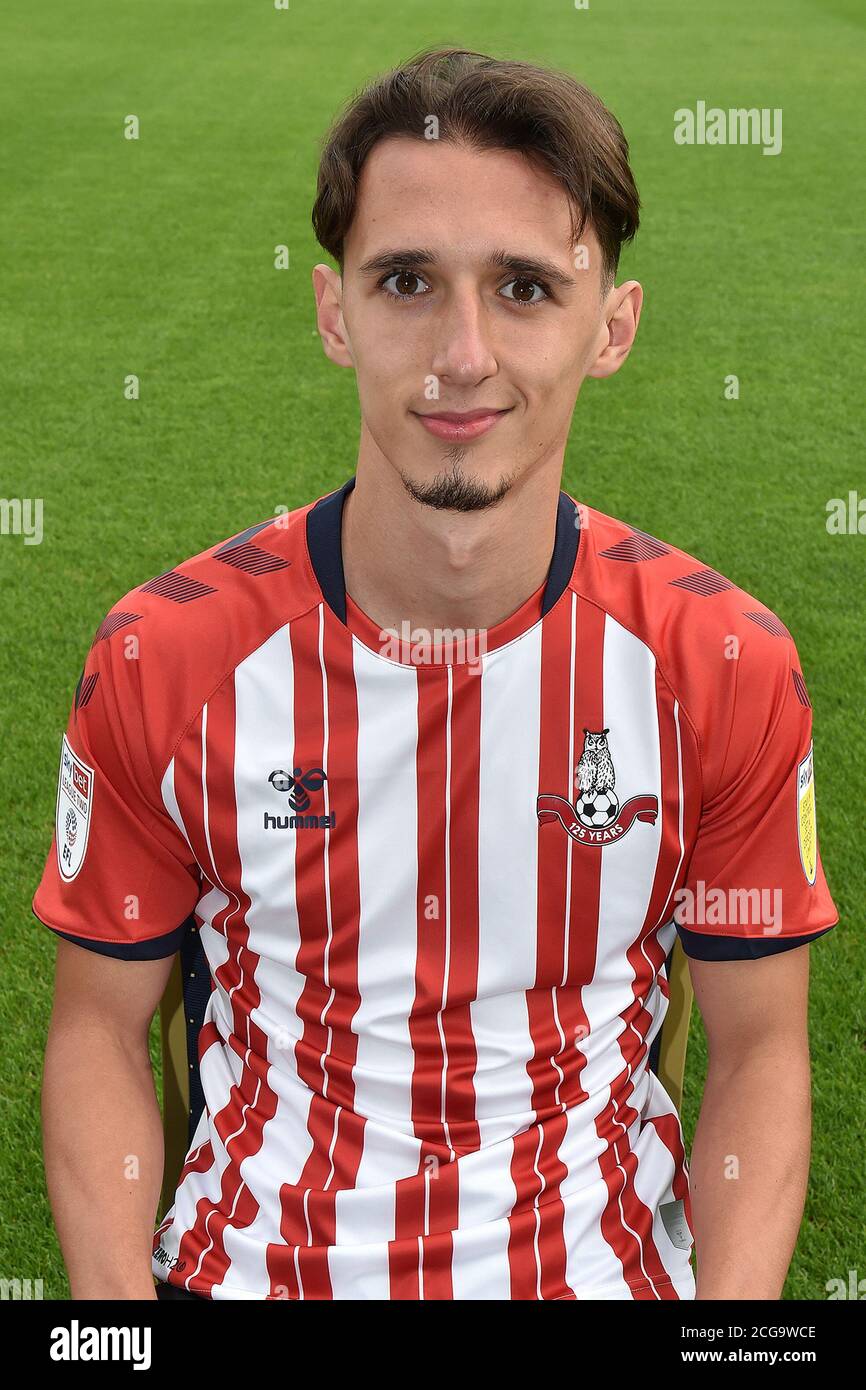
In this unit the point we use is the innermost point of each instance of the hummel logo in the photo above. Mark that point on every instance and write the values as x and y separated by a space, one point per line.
298 785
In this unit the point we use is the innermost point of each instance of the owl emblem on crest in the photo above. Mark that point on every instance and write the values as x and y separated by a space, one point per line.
595 778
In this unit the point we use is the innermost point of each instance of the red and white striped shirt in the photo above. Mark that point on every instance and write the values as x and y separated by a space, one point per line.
436 897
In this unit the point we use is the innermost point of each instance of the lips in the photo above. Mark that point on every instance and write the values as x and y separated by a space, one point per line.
468 424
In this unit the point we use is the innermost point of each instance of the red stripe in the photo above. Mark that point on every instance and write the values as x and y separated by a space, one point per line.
536 1244
446 977
442 1217
240 1123
432 767
627 1222
583 867
638 1252
313 1045
404 1252
585 860
668 1129
680 758
461 1056
462 983
410 1194
567 895
327 890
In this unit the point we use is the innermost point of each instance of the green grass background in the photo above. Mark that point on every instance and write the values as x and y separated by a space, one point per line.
156 257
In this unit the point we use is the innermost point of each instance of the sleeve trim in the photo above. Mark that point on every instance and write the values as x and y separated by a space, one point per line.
701 947
154 948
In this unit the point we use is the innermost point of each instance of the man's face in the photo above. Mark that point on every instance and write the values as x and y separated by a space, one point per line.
463 292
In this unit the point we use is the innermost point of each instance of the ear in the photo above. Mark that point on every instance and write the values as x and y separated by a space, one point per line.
617 331
585 730
605 731
328 288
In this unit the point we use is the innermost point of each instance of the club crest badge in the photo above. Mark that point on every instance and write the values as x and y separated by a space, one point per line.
74 807
807 830
596 817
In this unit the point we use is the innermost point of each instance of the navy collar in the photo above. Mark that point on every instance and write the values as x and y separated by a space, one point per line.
324 531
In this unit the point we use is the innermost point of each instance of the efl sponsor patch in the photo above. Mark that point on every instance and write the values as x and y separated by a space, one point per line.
74 807
807 831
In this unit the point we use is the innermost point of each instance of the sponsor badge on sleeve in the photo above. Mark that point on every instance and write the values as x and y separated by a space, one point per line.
74 807
806 826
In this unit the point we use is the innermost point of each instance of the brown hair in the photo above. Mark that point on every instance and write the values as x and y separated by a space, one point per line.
487 103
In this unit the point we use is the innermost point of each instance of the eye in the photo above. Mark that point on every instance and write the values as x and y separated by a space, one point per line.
533 285
408 279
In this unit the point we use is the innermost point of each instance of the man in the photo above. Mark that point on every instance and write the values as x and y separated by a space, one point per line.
439 765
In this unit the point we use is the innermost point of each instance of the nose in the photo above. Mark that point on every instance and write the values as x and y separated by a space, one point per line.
463 352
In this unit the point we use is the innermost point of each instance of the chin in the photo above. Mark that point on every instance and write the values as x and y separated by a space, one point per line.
455 488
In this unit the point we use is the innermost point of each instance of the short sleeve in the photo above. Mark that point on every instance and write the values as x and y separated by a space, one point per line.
120 877
755 883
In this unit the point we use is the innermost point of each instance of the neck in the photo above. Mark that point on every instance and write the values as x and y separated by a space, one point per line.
444 569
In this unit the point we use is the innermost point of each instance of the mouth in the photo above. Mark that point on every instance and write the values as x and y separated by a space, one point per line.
461 424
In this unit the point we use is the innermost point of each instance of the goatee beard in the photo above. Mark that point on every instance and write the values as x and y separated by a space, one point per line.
454 491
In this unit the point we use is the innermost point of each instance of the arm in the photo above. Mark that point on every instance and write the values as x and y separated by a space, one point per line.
103 1141
750 1160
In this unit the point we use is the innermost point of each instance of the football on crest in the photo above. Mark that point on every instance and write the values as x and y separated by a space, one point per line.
597 809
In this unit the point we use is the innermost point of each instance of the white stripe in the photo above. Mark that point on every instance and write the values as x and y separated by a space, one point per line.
264 741
627 873
537 1215
387 697
676 875
447 961
169 798
327 960
507 886
569 783
507 962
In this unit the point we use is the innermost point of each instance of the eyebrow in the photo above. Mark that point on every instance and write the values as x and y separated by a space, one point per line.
419 258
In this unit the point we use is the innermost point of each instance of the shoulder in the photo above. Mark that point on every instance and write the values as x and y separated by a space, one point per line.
216 606
167 644
659 590
716 645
